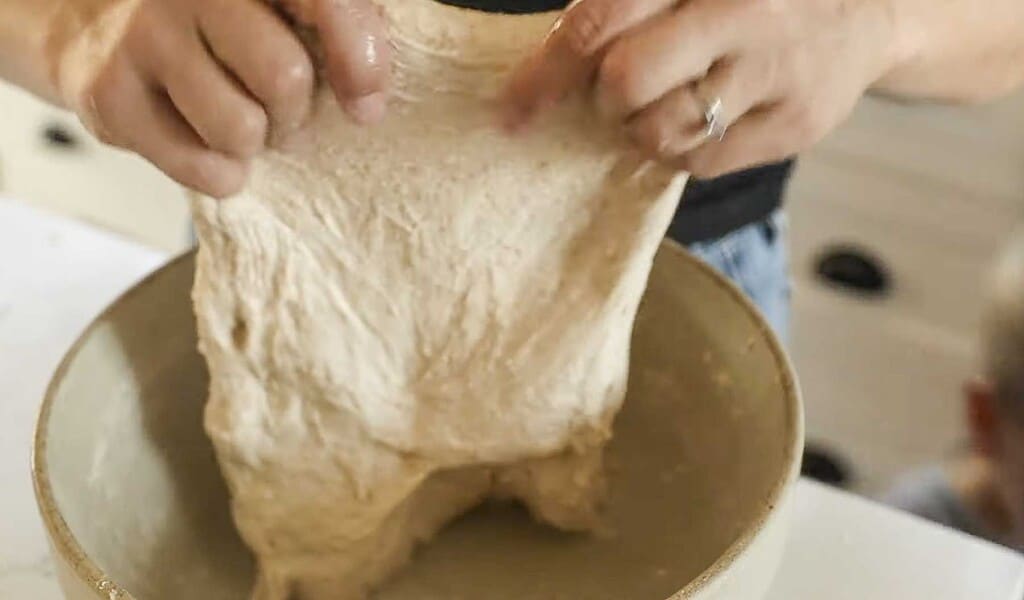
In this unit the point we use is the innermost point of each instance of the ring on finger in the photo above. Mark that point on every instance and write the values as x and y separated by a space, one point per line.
715 125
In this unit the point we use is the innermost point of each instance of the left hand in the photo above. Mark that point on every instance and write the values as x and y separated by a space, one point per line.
786 73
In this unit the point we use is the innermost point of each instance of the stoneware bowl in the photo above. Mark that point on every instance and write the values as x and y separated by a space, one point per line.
705 455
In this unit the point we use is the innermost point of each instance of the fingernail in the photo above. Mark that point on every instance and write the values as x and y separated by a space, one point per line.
369 109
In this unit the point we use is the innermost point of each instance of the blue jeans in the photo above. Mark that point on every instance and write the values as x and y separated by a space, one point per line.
754 258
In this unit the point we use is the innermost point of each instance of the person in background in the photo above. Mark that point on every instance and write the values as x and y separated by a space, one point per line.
728 90
981 492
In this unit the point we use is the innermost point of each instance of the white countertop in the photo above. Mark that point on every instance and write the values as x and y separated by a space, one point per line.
56 274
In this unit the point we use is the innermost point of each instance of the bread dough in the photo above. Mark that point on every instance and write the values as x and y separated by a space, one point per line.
401 321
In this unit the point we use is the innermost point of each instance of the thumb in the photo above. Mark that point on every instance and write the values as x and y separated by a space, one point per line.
357 55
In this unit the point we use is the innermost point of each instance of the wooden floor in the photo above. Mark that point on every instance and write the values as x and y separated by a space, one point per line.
929 192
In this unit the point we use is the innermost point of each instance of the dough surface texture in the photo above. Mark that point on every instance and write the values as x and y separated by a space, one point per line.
404 320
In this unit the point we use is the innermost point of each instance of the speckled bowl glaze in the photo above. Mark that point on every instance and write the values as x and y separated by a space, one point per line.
705 456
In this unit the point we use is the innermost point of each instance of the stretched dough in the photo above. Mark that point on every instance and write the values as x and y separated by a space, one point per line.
404 320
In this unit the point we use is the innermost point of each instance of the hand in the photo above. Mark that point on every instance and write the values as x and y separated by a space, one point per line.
198 86
786 72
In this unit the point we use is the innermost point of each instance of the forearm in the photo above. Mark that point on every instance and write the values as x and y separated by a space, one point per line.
25 41
36 35
955 50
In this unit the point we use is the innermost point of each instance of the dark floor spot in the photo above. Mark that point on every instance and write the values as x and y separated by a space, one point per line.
826 466
854 269
58 136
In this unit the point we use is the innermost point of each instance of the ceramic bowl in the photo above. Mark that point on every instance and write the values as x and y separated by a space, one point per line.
704 458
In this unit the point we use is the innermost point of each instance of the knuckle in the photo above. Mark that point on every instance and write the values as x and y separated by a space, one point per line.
290 79
209 174
155 39
249 132
584 27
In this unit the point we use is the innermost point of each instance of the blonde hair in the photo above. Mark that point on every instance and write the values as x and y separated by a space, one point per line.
1003 328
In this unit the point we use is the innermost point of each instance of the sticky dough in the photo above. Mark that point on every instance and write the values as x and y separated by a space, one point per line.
403 321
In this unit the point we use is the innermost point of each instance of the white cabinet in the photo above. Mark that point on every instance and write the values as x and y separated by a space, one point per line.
931 193
88 180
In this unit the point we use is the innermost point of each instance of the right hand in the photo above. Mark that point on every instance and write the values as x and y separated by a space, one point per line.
197 86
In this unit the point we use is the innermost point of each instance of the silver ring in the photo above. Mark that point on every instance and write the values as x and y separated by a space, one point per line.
714 118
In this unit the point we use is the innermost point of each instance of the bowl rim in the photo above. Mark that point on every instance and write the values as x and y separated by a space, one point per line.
65 544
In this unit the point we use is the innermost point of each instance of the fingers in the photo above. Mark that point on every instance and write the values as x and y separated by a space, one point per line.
264 55
357 55
763 136
661 55
571 52
222 113
671 126
675 123
174 148
539 82
130 113
589 25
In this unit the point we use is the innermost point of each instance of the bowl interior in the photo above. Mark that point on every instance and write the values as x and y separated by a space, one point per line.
705 446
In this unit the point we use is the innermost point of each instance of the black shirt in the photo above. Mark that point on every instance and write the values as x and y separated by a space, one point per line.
710 208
